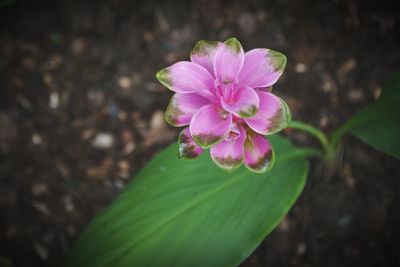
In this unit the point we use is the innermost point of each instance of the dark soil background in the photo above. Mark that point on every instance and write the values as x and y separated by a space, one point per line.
81 113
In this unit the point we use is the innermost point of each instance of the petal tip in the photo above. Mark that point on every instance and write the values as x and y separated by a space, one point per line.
202 46
163 76
249 112
264 163
287 114
234 44
187 148
187 152
173 113
277 60
228 164
206 140
259 155
281 120
171 118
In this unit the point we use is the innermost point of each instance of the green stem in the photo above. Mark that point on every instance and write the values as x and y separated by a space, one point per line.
318 134
304 152
337 135
309 152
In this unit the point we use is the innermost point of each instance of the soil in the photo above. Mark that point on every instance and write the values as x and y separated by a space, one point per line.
81 113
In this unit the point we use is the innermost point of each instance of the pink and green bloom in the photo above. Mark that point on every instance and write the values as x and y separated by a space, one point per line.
223 98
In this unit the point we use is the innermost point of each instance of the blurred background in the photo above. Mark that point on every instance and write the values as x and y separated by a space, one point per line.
81 112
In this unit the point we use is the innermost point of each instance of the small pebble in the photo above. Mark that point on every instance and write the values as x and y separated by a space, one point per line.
48 79
148 36
119 184
356 95
124 82
300 68
129 147
124 167
39 189
323 121
68 204
29 63
87 134
41 207
328 84
122 115
79 46
301 248
55 62
284 226
54 100
36 139
103 141
126 136
377 92
349 65
41 251
157 120
96 97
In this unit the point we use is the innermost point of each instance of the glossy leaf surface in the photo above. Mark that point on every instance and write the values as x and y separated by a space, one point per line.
378 124
190 213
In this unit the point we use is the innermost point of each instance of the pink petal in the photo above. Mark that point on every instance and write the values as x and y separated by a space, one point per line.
185 77
210 125
203 54
182 107
243 103
228 154
188 149
262 67
258 153
228 61
273 115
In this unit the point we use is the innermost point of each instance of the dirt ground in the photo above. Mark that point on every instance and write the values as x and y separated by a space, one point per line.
81 113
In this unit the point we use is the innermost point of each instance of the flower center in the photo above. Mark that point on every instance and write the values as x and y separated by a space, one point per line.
234 133
226 89
232 136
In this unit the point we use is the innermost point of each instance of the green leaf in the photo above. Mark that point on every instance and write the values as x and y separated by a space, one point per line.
190 213
378 124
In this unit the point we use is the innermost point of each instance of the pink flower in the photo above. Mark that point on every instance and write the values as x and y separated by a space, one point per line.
223 96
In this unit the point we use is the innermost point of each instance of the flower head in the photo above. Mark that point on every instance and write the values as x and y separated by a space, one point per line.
223 97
